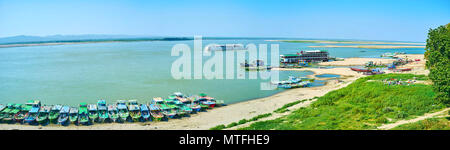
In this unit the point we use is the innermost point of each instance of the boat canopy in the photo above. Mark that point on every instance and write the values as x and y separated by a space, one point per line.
202 94
179 94
122 106
27 108
29 102
46 109
121 102
133 107
112 107
83 110
56 107
17 105
83 104
101 102
178 103
169 100
65 109
157 99
144 107
34 110
172 97
92 107
132 102
154 107
73 110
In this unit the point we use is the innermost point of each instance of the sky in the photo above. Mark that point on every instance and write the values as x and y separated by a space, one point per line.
394 20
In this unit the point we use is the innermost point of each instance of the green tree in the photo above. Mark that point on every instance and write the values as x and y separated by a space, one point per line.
438 55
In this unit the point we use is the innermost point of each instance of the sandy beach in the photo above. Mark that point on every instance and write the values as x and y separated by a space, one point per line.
243 110
357 62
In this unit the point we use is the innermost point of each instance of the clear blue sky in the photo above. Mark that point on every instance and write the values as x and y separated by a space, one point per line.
401 20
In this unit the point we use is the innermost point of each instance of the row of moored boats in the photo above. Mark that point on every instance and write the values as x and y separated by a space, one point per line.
175 106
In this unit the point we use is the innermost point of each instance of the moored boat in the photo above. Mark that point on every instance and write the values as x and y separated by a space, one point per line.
166 111
83 114
54 113
170 103
206 100
361 70
102 111
113 112
123 110
64 115
182 107
31 116
193 104
145 112
93 112
133 108
73 115
2 107
155 112
5 111
9 117
24 109
43 114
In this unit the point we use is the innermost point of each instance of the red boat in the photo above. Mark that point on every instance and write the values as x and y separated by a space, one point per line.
361 70
405 69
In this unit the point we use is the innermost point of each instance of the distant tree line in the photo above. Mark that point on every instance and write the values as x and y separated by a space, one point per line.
438 61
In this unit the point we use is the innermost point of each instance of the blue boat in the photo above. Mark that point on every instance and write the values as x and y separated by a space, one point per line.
145 112
33 113
64 115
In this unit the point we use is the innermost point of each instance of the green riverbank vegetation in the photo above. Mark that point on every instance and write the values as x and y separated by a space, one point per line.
364 104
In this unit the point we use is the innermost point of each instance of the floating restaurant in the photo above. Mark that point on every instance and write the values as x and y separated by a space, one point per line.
305 56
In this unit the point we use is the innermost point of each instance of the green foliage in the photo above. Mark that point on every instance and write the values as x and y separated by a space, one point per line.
427 124
360 105
219 127
284 108
438 61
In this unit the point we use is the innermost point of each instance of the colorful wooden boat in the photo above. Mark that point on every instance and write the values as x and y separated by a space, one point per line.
193 103
93 112
174 108
135 112
2 107
54 113
83 114
5 111
32 115
63 118
206 100
166 111
123 110
43 114
155 112
145 112
102 111
183 108
20 116
113 113
9 117
73 115
361 70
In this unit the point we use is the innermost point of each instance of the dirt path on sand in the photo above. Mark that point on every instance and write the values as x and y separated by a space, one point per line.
401 122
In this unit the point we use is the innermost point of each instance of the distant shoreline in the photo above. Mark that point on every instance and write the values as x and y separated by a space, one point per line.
346 42
51 43
369 46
